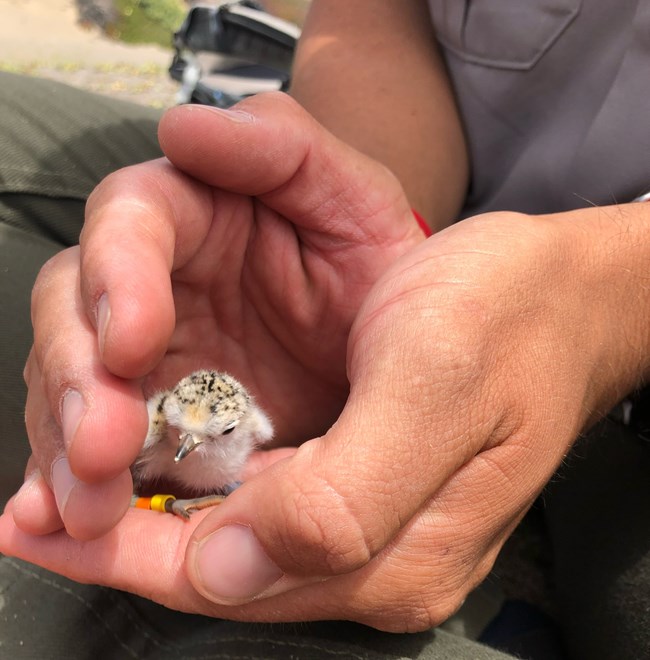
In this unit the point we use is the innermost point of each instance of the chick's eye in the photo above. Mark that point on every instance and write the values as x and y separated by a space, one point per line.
230 429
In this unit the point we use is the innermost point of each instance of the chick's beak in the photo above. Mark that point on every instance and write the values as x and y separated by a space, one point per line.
187 443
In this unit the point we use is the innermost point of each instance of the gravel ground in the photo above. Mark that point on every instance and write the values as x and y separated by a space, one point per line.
43 38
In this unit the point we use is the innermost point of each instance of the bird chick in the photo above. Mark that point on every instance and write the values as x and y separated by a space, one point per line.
200 435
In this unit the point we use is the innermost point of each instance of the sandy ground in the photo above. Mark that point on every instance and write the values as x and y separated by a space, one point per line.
42 37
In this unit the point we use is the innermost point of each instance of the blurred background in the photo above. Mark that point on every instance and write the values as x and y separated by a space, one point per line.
122 48
150 21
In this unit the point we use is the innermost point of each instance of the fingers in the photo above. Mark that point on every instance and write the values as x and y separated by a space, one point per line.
141 222
271 148
98 311
34 507
37 510
414 583
119 558
260 460
85 425
422 405
148 220
53 495
413 418
145 554
107 313
103 418
331 509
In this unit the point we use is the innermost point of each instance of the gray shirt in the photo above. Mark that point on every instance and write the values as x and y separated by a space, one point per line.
555 99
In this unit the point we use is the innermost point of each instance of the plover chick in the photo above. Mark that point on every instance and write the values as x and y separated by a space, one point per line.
200 435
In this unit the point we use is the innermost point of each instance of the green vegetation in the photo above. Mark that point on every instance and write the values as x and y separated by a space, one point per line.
148 21
155 21
290 10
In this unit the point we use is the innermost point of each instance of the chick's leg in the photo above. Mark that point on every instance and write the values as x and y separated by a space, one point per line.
184 508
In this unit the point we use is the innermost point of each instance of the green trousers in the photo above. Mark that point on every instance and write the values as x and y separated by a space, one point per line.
56 144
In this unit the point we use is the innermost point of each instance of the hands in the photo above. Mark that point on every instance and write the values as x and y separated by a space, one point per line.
473 363
253 254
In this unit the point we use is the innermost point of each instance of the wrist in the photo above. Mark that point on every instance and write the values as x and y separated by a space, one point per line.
615 278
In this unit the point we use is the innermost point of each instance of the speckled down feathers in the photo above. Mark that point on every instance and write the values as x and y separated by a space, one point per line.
220 392
220 416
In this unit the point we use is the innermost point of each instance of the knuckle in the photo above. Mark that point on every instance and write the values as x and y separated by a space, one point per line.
432 615
113 180
44 434
274 98
418 588
53 366
59 370
50 273
28 368
321 534
412 614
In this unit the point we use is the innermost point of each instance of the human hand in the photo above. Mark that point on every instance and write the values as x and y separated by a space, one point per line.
474 363
251 253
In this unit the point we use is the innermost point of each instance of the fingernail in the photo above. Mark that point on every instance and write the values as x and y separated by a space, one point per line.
103 318
9 505
72 410
233 115
232 565
26 489
63 481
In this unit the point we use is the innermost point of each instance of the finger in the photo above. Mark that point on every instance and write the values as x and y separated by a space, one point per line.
269 147
119 558
416 582
260 460
30 468
9 505
145 555
328 511
341 499
53 493
103 418
37 511
79 417
444 552
141 222
34 507
146 220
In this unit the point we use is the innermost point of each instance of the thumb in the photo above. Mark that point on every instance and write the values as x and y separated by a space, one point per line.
325 511
270 148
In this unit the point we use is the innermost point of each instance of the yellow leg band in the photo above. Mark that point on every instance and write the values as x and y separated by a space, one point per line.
158 502
154 503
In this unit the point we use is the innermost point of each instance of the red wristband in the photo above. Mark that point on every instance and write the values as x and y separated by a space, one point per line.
423 225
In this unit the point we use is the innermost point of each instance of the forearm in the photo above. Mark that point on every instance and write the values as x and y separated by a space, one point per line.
370 71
